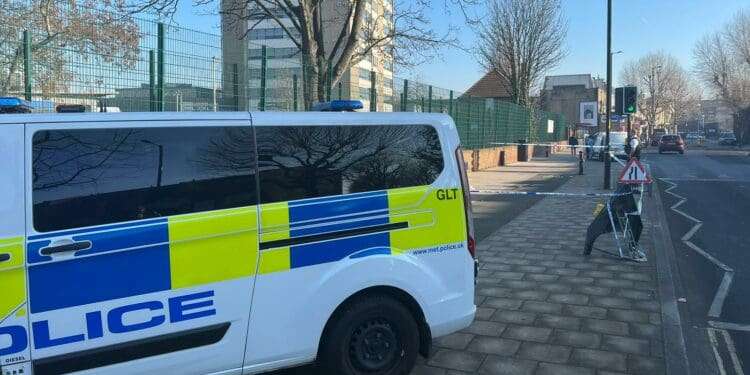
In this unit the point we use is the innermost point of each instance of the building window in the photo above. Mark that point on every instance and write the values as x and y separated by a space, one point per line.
267 33
87 177
273 53
364 74
298 162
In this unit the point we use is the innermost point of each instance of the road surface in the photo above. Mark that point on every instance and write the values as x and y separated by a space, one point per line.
709 232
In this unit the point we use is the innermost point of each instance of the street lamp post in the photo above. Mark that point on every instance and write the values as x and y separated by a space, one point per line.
654 72
160 166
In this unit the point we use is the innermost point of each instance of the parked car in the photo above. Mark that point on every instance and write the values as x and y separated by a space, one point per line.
727 139
671 143
616 145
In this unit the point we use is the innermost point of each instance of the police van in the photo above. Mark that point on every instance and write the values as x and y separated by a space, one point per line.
230 243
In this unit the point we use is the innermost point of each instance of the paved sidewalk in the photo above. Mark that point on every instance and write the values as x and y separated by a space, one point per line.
543 308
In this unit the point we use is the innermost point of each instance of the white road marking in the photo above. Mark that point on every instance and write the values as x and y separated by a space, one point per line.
730 326
718 303
715 347
733 353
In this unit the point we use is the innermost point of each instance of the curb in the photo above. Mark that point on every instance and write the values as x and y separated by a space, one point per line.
675 351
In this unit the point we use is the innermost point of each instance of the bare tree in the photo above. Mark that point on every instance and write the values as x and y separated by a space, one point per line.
338 33
520 41
667 95
59 30
722 63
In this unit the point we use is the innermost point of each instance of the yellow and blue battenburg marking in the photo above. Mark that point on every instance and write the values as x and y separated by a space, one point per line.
12 278
322 230
143 257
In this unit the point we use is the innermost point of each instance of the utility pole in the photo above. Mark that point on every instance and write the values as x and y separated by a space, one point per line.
607 161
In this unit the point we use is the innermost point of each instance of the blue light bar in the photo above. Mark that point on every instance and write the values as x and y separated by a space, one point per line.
338 106
10 104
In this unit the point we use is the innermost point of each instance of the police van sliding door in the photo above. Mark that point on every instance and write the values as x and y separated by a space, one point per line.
14 343
142 245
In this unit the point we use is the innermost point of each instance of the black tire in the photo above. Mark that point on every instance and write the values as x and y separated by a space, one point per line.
374 335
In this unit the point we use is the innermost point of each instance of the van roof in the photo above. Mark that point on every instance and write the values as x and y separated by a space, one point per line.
291 118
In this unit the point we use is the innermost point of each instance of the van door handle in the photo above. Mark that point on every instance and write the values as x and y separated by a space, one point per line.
70 247
4 257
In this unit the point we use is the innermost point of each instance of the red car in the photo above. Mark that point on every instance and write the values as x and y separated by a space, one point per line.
671 143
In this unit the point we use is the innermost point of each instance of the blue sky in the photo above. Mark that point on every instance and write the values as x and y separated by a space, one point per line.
638 27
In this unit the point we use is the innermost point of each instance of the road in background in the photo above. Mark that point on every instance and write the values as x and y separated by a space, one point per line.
716 186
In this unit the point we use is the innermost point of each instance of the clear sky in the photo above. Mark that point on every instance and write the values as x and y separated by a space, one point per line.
639 27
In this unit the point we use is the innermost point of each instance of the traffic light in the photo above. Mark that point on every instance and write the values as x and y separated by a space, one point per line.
626 100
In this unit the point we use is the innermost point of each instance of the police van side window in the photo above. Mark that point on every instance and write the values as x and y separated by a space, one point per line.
85 177
297 162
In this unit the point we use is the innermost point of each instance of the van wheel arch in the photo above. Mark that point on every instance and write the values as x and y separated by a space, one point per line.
425 335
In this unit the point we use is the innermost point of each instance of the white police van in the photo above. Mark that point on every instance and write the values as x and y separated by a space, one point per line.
231 243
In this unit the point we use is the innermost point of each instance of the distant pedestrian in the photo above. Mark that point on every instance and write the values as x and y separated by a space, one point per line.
573 142
633 146
589 145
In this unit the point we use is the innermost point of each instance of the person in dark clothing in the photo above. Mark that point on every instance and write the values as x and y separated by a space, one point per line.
573 142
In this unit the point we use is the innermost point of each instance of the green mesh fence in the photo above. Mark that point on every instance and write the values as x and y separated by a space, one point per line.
133 64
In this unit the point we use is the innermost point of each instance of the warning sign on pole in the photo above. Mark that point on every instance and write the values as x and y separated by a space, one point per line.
634 173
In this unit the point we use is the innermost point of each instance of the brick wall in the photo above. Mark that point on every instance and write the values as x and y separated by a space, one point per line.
486 158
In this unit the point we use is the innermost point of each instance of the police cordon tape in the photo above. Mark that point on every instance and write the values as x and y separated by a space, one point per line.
545 193
543 145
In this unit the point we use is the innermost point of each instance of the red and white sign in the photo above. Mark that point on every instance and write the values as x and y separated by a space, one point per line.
634 173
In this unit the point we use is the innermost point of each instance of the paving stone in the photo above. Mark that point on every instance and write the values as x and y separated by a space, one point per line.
456 360
635 294
651 306
577 339
636 276
626 345
645 365
654 318
516 317
528 333
520 284
563 271
544 352
484 313
599 359
606 326
540 277
542 307
421 369
597 274
642 285
585 311
558 369
657 349
593 290
506 275
507 366
558 321
537 295
494 345
572 299
552 263
480 327
614 283
496 267
576 280
456 341
493 291
583 265
628 316
614 302
506 303
531 269
517 262
556 288
648 331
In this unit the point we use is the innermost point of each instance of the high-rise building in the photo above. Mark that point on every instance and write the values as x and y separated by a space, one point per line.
244 32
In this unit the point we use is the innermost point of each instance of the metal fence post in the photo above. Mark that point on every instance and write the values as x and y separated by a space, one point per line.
406 95
160 67
373 93
429 99
294 100
263 62
329 81
450 103
151 80
422 108
236 86
27 65
341 90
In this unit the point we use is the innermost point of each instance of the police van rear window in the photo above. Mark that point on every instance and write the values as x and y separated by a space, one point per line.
86 177
298 162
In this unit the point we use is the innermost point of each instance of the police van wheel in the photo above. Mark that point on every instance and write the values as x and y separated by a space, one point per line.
375 335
